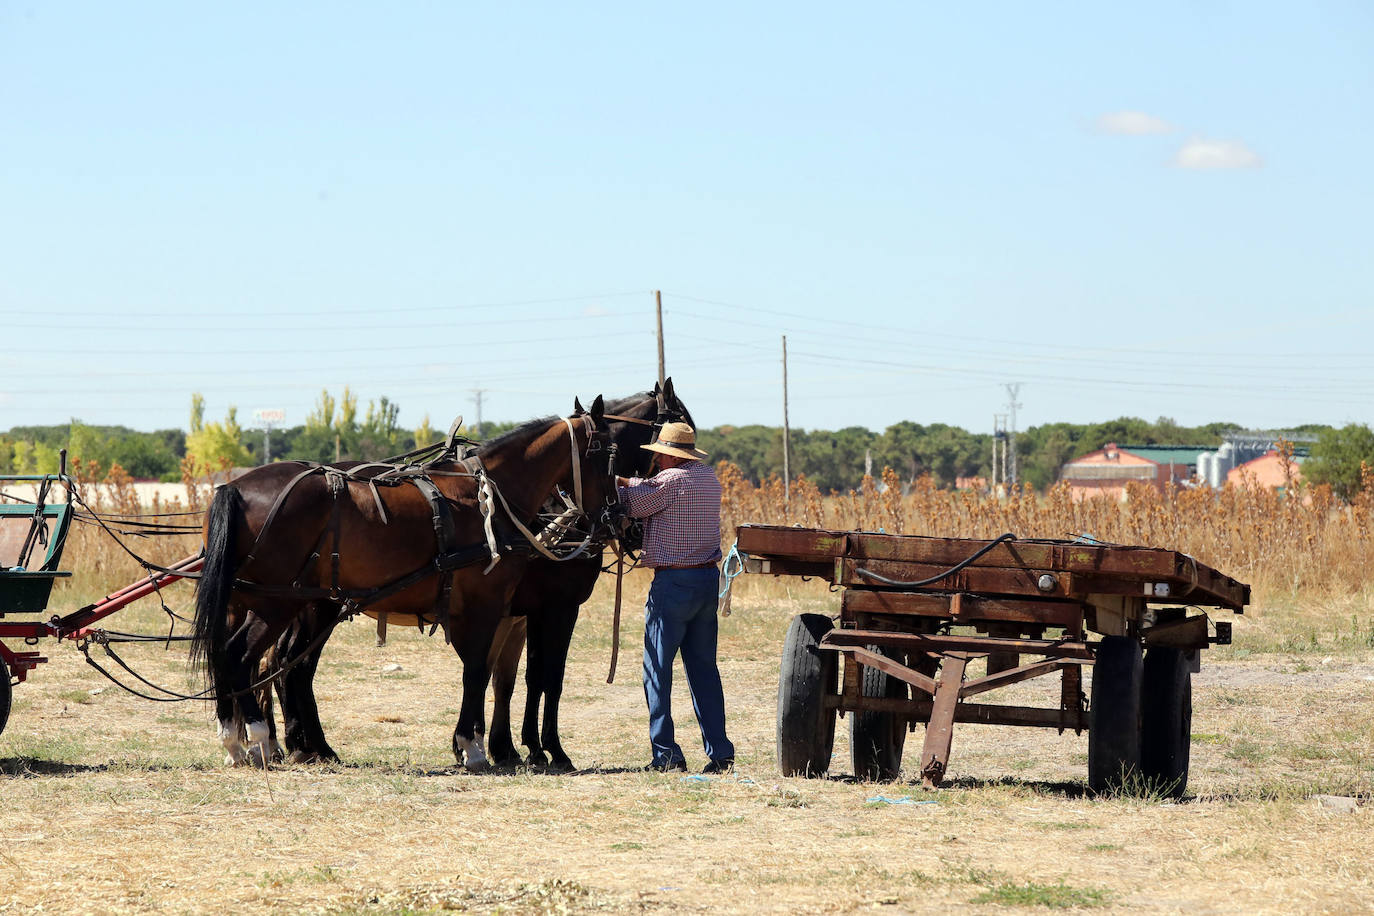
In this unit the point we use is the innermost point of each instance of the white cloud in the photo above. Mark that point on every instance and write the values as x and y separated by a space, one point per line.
1216 154
596 311
1133 123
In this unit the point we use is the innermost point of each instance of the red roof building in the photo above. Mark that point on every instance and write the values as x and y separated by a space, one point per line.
1107 471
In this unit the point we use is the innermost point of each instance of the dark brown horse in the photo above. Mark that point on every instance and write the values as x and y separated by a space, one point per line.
280 549
547 602
547 599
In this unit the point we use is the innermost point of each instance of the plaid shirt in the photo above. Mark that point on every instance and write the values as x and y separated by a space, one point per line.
681 511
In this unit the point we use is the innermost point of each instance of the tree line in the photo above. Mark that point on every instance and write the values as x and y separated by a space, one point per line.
836 460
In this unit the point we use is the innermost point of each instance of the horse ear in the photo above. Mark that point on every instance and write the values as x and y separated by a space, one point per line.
598 408
655 388
668 393
578 409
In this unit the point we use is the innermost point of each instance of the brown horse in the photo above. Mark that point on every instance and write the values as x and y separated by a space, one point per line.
282 543
547 602
547 599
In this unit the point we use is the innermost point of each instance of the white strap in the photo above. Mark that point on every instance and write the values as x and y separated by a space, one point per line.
576 467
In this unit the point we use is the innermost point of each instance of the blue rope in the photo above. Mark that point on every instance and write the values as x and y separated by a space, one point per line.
738 558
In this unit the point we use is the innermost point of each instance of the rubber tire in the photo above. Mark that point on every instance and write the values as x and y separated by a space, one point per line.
1114 716
6 695
1166 721
876 739
806 726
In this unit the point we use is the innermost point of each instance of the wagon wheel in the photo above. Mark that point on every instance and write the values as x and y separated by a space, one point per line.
6 694
806 726
876 739
1166 720
1114 717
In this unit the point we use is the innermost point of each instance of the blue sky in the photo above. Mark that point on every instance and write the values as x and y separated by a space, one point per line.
1155 212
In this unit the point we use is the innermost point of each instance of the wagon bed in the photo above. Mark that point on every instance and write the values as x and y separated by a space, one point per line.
919 615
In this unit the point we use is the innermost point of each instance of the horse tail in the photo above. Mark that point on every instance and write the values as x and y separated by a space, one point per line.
216 578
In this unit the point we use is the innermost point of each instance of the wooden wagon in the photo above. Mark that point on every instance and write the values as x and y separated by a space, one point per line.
926 624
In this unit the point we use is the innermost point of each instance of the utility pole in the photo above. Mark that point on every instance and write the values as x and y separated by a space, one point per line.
786 432
477 397
658 310
999 451
1013 472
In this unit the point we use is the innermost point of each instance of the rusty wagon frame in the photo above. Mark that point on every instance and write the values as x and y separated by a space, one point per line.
917 614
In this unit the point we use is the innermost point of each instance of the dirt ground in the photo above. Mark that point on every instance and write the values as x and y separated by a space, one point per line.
115 804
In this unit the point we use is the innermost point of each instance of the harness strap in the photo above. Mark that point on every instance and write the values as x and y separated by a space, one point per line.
624 419
576 466
276 507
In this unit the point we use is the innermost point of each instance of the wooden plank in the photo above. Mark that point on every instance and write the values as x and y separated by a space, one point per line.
891 666
986 580
778 540
1139 562
1012 676
981 713
1053 613
918 642
1103 564
940 725
1023 582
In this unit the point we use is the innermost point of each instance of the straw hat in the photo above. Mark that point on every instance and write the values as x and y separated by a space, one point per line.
677 439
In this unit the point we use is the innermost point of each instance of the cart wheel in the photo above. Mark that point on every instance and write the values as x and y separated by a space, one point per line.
806 726
1166 721
1114 716
6 694
876 739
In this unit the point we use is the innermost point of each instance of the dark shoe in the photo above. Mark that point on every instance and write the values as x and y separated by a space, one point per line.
666 767
720 766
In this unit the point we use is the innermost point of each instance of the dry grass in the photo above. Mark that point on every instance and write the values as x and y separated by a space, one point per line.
136 794
133 794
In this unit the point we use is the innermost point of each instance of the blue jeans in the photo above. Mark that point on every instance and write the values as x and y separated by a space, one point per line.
681 615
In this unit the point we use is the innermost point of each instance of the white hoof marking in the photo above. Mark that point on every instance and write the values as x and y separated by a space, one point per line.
229 737
474 755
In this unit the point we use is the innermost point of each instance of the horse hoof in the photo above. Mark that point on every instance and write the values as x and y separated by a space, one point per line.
300 757
562 765
537 759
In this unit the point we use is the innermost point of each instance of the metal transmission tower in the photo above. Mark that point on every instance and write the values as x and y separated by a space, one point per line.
477 398
1013 472
999 451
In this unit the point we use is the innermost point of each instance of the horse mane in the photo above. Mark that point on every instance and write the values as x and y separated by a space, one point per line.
521 433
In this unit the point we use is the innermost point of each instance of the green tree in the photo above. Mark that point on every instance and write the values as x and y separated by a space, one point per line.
214 445
1337 457
425 434
380 435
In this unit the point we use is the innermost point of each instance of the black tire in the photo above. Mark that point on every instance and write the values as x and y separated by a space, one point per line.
806 726
1166 721
1114 716
876 739
6 695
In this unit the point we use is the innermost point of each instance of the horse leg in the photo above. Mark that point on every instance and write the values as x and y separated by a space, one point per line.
243 651
226 704
473 645
553 664
535 652
305 740
504 661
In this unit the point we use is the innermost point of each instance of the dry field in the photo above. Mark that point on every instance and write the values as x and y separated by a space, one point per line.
116 804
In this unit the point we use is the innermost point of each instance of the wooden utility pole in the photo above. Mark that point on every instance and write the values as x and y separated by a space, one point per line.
658 309
786 432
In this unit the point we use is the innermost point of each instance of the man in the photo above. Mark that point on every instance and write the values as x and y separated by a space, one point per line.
680 506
